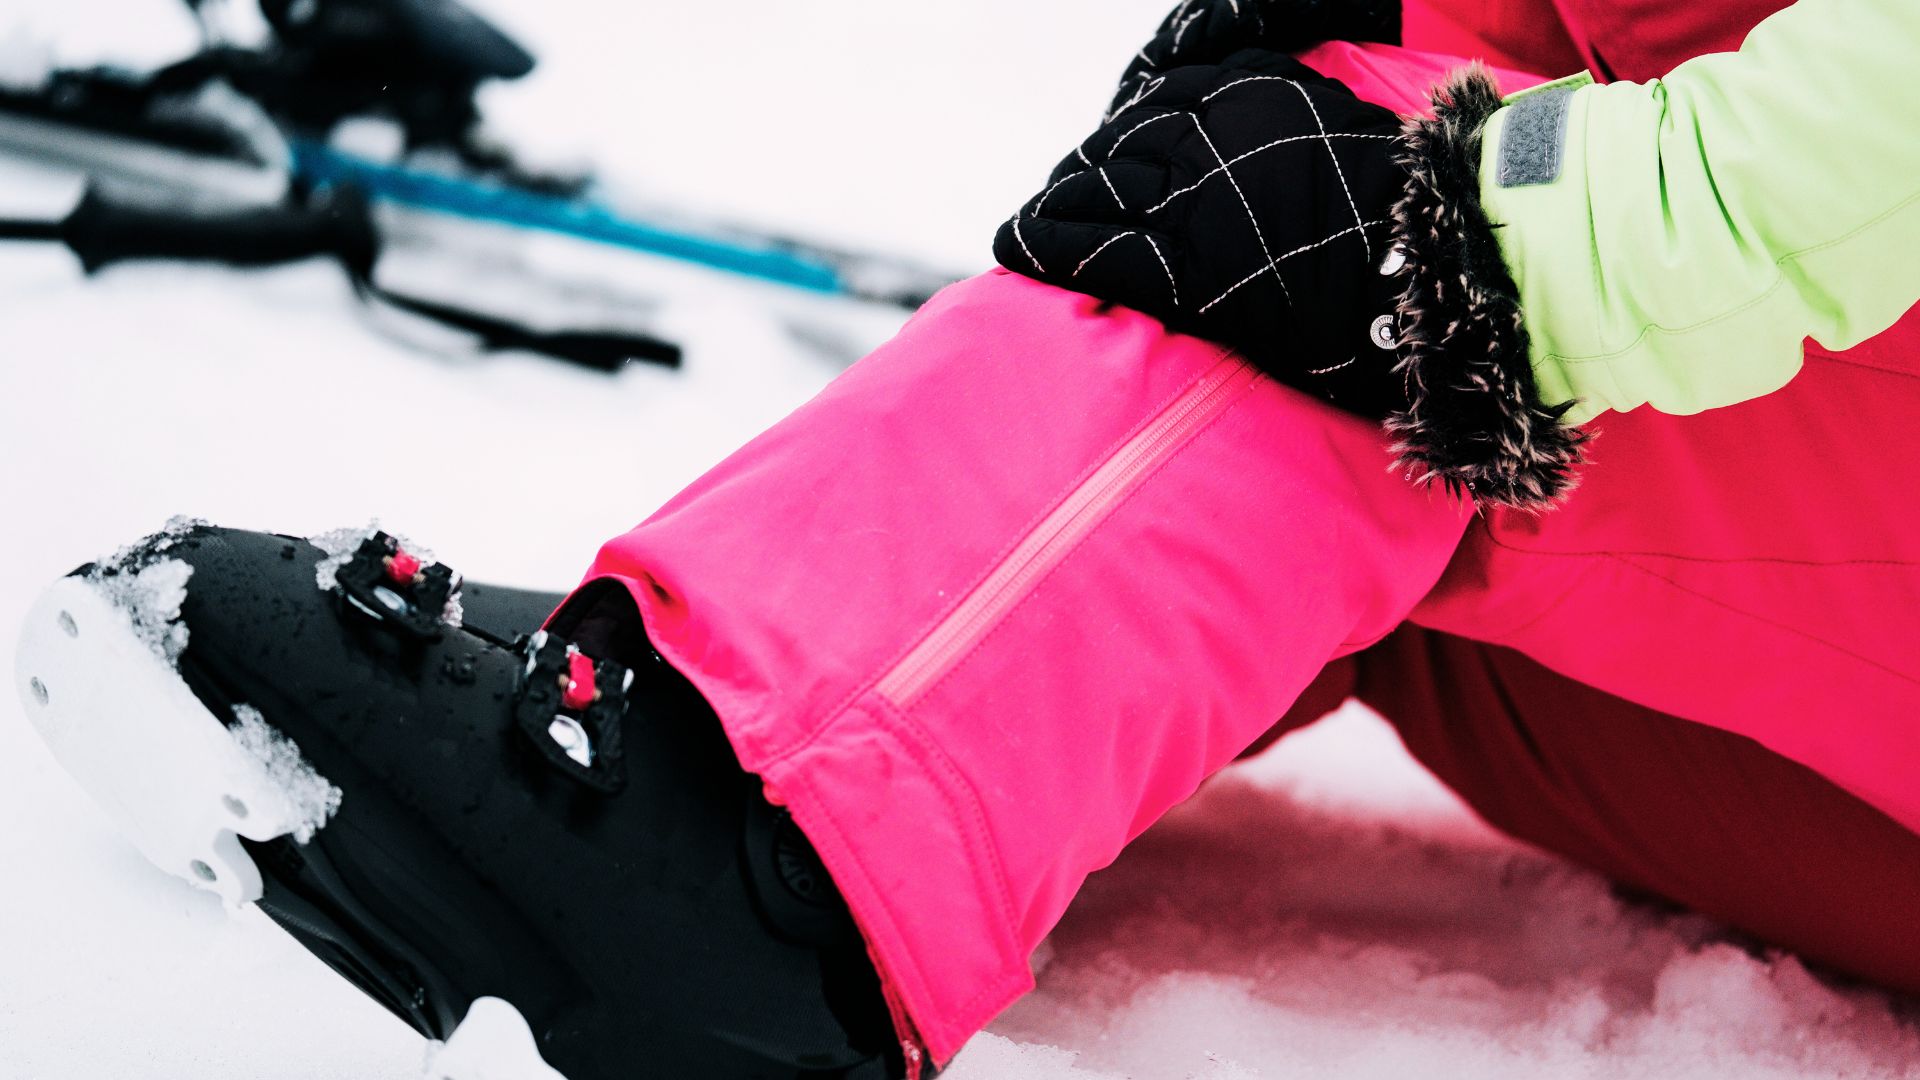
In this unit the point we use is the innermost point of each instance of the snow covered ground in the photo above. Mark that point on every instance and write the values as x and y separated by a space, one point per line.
1328 911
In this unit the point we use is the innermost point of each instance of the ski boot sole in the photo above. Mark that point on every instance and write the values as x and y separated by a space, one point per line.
176 780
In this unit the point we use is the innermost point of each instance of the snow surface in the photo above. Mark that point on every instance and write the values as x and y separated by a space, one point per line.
1327 912
1296 919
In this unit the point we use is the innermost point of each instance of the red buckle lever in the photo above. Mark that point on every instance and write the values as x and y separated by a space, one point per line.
579 691
402 568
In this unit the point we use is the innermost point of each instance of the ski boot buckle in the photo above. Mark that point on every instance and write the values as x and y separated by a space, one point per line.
394 587
571 707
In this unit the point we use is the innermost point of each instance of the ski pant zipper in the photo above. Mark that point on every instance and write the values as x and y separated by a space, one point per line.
1062 529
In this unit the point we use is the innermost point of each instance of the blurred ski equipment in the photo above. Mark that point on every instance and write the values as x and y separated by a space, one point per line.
251 125
335 223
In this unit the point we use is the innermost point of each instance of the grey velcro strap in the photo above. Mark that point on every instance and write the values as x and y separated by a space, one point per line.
1533 142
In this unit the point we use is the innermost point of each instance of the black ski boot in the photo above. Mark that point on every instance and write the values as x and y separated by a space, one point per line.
544 855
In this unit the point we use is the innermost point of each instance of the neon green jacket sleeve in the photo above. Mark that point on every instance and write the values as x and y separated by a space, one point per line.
1674 241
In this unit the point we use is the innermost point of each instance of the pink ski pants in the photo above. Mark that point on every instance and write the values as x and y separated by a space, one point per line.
1020 580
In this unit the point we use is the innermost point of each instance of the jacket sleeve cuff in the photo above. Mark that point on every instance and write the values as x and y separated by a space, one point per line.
1474 421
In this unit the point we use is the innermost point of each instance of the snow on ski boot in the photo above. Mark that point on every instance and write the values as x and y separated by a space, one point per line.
548 859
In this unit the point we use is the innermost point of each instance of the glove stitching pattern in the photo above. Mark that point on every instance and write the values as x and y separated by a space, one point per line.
1347 363
1023 245
1171 284
1272 263
1284 256
1128 134
1326 138
1041 202
1081 225
1147 87
1182 30
1335 159
1112 240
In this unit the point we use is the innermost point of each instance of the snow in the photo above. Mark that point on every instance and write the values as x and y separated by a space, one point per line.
1287 922
311 798
339 546
151 596
138 580
1327 911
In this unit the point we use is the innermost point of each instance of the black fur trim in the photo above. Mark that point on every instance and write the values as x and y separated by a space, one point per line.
1474 420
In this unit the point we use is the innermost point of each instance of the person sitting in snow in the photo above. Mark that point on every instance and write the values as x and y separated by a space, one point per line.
796 780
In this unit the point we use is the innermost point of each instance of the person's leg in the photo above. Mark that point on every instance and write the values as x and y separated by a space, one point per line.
1709 819
1007 591
1754 568
1523 34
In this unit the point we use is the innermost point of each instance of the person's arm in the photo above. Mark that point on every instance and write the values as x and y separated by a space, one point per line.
1576 249
1674 241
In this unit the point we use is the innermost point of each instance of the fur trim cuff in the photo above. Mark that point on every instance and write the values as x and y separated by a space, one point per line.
1474 420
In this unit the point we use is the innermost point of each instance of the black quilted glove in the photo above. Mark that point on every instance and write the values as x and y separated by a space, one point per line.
1339 247
1248 203
1209 31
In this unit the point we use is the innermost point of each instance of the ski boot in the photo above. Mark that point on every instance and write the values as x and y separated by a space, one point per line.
533 845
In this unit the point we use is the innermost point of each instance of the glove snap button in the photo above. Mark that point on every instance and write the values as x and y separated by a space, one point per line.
1383 332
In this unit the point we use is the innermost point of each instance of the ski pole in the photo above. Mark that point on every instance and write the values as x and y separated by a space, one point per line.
857 275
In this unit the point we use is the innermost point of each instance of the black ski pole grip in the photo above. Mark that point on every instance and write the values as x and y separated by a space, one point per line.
102 232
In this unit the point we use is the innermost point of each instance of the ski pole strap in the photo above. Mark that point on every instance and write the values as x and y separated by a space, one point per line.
602 350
